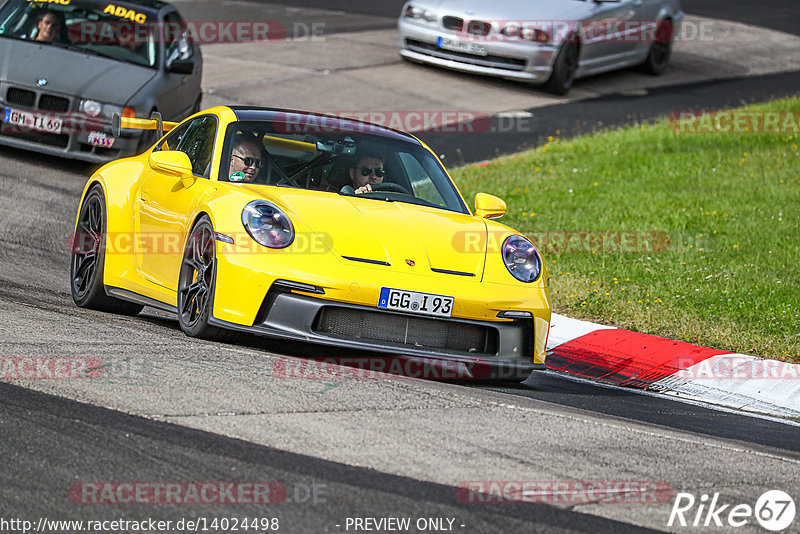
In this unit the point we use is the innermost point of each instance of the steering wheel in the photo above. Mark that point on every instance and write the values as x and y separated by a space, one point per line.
390 186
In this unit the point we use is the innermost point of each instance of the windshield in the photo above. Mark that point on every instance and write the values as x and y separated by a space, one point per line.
113 31
355 163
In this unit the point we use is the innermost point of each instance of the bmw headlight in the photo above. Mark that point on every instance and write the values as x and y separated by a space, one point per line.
93 108
414 12
110 109
267 224
515 31
521 258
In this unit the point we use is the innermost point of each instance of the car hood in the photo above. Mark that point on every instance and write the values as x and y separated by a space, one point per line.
361 231
516 10
70 72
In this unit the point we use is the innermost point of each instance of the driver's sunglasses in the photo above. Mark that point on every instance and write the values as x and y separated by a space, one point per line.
366 171
249 162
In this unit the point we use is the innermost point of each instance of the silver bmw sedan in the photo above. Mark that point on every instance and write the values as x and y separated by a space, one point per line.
547 42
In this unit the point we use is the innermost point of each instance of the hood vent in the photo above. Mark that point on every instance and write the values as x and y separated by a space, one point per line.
365 260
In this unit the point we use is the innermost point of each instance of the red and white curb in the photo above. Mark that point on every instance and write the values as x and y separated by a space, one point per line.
630 359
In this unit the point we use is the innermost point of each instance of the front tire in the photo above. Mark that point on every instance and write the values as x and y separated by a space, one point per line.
87 261
196 282
660 53
564 69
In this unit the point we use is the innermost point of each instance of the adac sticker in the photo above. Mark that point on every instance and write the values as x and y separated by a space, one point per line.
61 2
125 13
237 177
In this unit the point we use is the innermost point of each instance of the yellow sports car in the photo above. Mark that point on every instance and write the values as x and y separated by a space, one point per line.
314 228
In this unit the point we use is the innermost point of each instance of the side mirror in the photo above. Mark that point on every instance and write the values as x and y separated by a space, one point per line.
489 206
181 67
174 163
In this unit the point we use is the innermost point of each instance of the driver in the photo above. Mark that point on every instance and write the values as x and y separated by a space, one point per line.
245 159
368 171
49 25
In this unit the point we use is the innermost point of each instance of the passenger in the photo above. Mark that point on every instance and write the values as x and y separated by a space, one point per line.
131 44
245 159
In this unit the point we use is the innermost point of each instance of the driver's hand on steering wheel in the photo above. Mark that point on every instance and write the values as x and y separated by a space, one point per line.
364 189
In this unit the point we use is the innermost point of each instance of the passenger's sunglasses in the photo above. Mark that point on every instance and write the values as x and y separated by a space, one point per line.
249 162
366 171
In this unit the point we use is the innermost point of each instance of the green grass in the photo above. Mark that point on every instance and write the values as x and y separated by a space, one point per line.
729 276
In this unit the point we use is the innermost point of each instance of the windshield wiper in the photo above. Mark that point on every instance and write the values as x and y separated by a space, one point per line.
70 46
373 195
92 52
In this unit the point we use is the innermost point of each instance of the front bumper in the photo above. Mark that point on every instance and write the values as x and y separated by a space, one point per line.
528 62
128 147
505 352
250 295
74 141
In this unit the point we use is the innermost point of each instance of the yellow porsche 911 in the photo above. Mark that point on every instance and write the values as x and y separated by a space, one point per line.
313 228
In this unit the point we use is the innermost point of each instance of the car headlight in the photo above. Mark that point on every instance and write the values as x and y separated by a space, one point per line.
267 224
515 31
414 12
521 258
109 110
93 108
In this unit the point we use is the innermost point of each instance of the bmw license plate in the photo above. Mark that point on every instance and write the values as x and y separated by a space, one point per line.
456 45
415 302
26 120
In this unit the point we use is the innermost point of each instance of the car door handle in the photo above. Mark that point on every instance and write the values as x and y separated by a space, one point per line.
143 197
637 3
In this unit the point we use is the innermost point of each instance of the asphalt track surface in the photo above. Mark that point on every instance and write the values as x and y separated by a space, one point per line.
54 439
48 442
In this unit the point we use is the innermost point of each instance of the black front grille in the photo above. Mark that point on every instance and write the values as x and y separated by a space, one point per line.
417 332
20 97
498 62
479 27
453 23
53 103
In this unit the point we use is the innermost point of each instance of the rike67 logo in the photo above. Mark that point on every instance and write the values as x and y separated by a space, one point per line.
774 510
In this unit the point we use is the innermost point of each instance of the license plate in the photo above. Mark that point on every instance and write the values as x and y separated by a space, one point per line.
415 302
26 120
447 43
